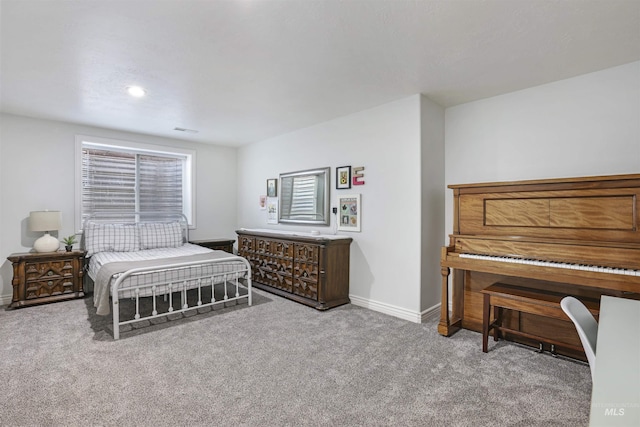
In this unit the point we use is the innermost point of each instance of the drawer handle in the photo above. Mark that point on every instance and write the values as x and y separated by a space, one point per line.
49 283
50 273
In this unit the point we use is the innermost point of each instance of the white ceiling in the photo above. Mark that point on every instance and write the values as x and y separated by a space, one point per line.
240 71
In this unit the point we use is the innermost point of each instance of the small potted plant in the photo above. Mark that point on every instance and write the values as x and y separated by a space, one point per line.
68 242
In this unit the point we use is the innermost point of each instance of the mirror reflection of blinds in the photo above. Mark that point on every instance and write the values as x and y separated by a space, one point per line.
302 201
286 194
125 181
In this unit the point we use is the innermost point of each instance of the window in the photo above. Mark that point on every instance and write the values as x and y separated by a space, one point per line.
129 177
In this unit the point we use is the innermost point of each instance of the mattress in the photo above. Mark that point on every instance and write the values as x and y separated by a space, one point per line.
162 280
101 258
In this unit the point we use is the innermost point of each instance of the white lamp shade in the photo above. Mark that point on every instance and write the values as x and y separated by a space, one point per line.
45 220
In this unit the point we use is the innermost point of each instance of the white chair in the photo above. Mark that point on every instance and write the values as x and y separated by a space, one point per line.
586 325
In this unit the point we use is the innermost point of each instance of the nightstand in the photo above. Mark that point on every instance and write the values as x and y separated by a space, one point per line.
46 277
217 244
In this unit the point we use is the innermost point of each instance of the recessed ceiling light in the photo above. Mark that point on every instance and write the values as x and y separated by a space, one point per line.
136 91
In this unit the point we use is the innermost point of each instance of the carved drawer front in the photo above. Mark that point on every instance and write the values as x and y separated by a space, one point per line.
282 281
48 278
49 269
262 246
275 264
273 278
246 244
282 249
306 253
44 288
307 271
305 288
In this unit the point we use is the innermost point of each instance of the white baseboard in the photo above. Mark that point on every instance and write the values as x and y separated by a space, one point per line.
392 310
5 299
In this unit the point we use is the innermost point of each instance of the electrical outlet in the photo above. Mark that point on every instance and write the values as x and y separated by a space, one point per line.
335 210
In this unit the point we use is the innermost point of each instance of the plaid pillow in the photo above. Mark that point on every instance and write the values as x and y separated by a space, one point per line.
111 238
160 235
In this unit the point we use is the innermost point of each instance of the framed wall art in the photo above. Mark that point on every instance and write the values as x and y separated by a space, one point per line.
272 210
343 177
272 187
349 212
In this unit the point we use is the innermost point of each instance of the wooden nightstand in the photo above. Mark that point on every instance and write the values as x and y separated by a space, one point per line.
46 277
217 244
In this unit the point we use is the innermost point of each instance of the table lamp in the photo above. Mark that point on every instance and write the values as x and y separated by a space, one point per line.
45 221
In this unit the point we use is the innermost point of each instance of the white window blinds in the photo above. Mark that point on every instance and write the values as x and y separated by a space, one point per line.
127 181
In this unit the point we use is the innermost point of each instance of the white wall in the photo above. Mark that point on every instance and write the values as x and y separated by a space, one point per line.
37 172
386 255
433 196
583 126
587 125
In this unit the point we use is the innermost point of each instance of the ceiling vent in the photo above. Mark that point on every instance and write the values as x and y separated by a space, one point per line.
185 130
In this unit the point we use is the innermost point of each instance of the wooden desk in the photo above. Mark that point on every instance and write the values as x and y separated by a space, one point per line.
615 400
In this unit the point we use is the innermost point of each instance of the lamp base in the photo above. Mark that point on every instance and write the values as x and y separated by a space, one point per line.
46 243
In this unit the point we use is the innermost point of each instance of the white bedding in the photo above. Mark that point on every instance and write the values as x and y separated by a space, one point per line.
182 278
101 258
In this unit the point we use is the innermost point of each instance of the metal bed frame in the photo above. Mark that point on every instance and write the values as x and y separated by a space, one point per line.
193 276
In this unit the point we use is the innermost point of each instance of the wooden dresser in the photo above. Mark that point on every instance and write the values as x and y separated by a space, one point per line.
46 277
312 270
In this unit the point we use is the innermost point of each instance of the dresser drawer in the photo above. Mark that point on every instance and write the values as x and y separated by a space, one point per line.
273 278
49 269
246 244
306 252
305 288
45 288
307 271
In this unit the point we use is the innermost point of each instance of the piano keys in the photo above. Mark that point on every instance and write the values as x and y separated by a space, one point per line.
554 264
579 236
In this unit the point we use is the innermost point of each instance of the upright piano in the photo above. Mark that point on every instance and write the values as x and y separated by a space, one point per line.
576 236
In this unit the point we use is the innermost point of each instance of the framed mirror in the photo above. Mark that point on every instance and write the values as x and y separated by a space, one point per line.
304 197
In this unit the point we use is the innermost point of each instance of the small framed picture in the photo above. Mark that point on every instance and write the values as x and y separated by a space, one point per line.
272 187
343 177
349 212
272 210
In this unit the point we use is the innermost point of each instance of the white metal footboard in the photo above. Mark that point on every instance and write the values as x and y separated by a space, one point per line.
167 288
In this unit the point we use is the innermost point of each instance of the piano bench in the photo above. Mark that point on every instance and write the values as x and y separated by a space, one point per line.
527 300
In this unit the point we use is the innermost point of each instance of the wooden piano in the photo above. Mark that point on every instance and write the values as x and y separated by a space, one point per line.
578 236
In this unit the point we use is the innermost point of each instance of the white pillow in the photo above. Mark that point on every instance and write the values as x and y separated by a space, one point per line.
160 235
111 238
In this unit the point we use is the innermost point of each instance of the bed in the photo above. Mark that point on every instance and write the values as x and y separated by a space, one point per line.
147 258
